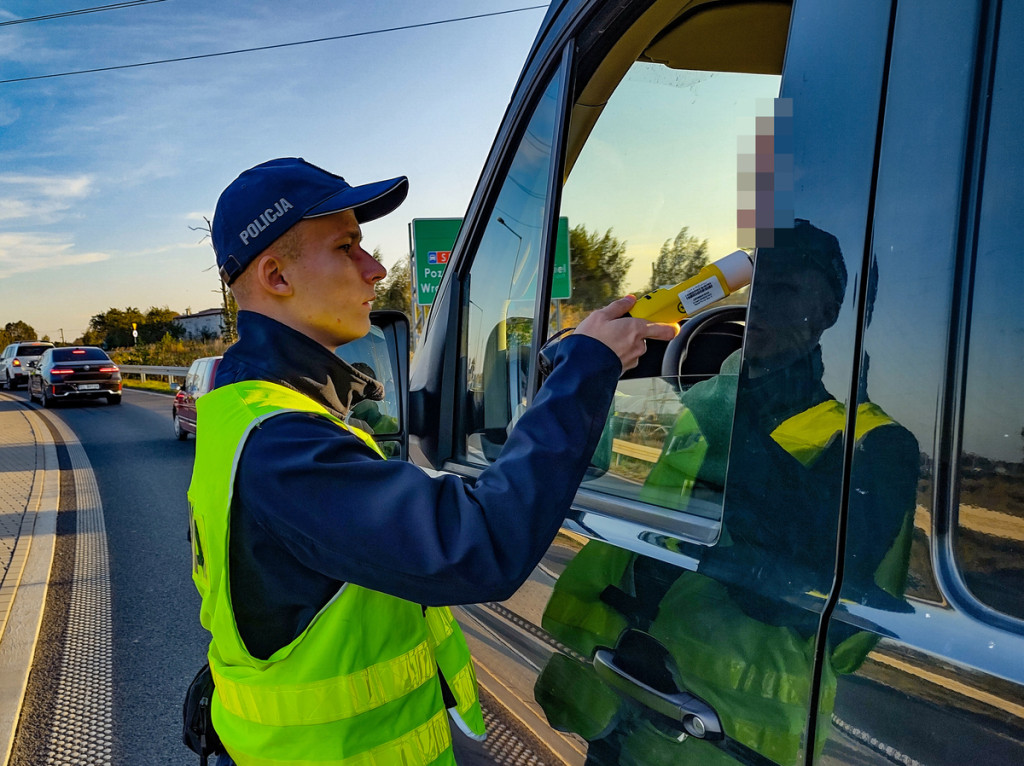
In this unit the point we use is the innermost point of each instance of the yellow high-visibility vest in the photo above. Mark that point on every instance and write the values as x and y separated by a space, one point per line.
359 686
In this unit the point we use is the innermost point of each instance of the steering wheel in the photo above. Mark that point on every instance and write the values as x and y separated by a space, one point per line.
703 343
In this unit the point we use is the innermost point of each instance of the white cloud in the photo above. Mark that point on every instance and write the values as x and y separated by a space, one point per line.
50 186
14 208
40 196
24 252
169 248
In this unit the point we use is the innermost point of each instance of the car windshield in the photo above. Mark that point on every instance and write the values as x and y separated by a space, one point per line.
31 350
79 354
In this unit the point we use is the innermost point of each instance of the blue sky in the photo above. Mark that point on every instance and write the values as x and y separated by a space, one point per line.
102 174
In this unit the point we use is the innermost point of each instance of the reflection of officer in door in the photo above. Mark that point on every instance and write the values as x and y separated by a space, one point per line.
741 634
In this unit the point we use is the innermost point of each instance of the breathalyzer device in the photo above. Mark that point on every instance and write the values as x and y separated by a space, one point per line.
712 283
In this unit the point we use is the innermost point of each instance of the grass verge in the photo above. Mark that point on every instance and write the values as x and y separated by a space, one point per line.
156 386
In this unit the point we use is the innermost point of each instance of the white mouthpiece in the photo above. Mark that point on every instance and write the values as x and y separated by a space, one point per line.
737 269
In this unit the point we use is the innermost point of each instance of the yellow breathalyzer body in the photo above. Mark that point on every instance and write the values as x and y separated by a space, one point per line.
711 284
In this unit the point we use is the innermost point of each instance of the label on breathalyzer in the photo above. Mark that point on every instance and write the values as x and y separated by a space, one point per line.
698 296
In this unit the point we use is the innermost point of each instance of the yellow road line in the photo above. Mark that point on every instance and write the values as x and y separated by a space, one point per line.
979 520
951 684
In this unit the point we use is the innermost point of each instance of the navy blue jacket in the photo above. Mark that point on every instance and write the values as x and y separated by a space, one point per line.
314 508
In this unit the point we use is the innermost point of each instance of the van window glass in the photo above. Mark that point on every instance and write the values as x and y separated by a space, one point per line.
990 516
651 197
502 288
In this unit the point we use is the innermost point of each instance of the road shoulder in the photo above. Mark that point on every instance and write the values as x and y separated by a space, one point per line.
23 593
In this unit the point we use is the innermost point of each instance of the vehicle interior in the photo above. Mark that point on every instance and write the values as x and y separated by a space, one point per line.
672 49
702 35
662 99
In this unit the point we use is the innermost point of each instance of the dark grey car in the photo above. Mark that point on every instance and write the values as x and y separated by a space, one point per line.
76 372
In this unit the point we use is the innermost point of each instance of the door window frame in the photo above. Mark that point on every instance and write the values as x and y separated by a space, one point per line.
455 377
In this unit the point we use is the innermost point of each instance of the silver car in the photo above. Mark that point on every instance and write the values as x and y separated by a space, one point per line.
15 359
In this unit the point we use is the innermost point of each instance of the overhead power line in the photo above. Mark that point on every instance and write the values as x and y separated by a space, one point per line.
276 46
80 12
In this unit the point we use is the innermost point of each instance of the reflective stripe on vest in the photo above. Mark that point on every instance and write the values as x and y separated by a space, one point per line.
449 647
318 699
423 745
332 699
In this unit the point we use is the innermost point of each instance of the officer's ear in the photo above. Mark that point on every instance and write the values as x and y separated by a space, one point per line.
269 276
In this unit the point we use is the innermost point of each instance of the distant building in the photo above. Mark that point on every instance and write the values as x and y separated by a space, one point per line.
202 325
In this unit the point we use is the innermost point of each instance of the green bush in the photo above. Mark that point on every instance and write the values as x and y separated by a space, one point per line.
168 352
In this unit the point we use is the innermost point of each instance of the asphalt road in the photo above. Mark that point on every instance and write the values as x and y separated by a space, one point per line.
142 473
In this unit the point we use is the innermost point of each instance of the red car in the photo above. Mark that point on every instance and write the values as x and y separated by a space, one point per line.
198 381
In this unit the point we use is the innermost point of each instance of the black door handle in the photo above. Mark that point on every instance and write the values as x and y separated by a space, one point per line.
697 717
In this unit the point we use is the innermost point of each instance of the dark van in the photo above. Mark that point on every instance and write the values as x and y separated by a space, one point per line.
802 538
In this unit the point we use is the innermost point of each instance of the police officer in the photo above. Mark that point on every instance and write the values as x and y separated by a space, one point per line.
325 571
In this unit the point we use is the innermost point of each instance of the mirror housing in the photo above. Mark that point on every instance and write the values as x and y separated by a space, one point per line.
384 355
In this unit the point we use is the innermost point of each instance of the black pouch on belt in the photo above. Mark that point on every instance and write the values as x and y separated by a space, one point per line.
197 727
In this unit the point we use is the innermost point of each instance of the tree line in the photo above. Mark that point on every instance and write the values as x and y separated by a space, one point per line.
599 264
110 329
12 332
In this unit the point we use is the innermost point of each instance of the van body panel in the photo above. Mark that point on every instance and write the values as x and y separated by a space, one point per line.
839 581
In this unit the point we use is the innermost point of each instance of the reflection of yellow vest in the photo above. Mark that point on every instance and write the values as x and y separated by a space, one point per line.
807 435
359 686
671 480
756 676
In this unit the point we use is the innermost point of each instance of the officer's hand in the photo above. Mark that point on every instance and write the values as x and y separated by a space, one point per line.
626 336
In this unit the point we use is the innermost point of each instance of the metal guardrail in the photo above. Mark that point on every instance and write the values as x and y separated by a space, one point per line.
170 374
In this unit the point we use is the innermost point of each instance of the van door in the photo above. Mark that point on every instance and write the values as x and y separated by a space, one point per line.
938 675
679 615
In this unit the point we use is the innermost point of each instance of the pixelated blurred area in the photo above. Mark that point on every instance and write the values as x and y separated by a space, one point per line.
764 176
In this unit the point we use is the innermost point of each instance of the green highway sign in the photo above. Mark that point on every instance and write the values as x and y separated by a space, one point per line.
561 277
432 241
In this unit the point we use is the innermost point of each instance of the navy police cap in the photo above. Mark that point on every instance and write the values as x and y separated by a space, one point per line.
267 200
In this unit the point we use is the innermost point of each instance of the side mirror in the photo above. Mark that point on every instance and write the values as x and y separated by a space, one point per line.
383 354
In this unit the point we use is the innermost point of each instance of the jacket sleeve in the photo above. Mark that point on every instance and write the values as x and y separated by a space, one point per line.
437 540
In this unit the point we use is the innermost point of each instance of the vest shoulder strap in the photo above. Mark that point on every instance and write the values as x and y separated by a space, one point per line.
260 399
